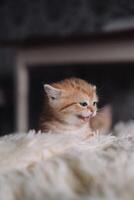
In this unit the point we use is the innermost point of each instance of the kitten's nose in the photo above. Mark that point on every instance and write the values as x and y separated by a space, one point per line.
91 109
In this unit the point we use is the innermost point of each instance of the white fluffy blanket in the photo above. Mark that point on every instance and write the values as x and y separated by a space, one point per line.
53 167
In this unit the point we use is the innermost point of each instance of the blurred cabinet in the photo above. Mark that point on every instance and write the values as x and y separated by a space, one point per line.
106 48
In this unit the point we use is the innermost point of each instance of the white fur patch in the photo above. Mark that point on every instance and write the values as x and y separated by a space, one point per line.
63 166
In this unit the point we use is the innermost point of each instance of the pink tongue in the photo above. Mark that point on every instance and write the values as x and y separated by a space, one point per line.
86 119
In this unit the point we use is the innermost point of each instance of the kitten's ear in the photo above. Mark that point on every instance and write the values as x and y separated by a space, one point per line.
52 92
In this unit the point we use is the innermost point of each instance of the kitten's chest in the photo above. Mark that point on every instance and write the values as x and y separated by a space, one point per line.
59 128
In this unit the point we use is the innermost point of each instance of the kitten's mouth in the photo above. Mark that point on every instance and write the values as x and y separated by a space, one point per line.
85 119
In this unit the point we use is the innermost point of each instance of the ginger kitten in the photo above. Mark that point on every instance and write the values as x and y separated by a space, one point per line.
69 106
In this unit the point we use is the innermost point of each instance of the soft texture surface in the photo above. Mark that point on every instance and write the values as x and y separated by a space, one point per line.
53 167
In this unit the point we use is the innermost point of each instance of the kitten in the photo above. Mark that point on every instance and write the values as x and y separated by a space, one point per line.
69 107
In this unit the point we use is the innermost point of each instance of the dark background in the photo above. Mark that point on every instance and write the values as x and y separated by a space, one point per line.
22 21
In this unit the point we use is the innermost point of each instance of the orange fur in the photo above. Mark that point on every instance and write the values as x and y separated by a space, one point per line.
64 110
103 120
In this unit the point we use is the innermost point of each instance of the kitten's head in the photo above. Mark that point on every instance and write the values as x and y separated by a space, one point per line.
73 100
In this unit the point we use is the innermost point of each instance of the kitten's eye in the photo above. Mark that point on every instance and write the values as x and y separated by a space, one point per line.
84 104
94 103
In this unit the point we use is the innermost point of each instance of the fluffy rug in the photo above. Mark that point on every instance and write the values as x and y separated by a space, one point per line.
37 166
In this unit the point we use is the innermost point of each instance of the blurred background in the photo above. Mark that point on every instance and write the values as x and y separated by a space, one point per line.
33 33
